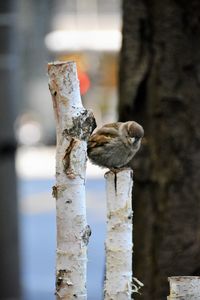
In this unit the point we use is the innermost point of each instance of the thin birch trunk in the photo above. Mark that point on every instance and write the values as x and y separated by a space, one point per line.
118 282
184 288
74 125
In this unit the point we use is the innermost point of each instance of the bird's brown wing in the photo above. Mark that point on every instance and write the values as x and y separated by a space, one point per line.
108 130
104 135
98 140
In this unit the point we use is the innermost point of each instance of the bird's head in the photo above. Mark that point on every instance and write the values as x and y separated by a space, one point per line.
135 132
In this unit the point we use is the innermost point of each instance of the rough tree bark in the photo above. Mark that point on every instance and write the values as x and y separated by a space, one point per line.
160 88
74 124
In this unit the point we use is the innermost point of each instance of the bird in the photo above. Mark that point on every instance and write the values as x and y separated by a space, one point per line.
114 145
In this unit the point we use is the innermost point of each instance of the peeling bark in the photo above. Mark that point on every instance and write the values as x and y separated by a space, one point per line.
74 125
67 158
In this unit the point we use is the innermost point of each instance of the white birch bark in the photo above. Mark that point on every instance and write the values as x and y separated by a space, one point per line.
118 282
74 125
184 288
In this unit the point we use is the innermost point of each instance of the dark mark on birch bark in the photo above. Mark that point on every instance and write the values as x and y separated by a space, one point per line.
59 279
60 276
130 216
55 105
83 126
115 182
86 235
68 201
66 158
54 191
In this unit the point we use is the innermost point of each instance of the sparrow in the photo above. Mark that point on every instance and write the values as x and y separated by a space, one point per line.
115 144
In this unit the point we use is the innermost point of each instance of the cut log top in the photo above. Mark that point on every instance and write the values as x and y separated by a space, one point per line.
72 119
184 287
64 82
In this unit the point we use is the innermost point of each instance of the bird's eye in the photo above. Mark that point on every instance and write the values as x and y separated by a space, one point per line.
134 140
137 138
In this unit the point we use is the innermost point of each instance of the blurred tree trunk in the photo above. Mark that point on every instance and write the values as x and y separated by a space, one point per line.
9 254
160 88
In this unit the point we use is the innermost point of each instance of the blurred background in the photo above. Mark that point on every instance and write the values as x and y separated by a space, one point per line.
137 60
32 34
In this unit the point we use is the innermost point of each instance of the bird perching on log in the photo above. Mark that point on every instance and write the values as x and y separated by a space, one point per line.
114 145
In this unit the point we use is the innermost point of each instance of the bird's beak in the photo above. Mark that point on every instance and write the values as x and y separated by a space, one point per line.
132 140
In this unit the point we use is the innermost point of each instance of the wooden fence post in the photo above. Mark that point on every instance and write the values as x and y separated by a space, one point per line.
74 125
184 288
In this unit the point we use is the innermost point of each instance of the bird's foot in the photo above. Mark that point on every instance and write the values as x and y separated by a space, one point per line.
117 170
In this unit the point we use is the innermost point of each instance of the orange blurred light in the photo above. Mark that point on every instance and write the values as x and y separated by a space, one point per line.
84 82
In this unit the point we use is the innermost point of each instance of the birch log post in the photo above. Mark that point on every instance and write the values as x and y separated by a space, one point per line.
74 125
184 288
118 282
